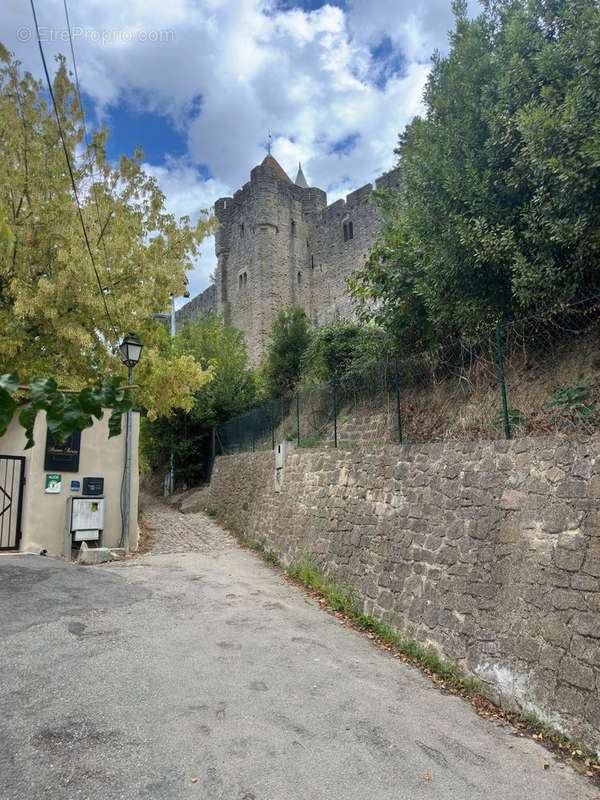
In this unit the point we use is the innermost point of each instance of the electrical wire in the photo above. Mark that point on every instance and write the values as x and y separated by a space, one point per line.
70 169
101 227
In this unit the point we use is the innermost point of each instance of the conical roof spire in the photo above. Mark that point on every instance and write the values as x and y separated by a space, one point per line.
300 179
275 167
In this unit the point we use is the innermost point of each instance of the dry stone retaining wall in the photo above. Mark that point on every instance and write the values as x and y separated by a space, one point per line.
490 551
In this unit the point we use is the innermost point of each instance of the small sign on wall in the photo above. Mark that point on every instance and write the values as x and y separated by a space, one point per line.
63 455
53 483
75 486
93 487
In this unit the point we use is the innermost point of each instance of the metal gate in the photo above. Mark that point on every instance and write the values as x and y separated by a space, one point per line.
12 478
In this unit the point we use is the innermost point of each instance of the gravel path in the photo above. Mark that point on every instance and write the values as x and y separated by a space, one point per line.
174 532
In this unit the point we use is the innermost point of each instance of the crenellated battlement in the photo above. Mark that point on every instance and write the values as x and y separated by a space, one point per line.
279 244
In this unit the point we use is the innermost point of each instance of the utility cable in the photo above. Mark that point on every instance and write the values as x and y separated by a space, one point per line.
70 168
101 227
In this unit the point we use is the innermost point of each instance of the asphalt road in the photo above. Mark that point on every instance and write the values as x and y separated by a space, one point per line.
204 675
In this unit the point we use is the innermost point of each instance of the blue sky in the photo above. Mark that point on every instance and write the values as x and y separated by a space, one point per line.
131 126
198 83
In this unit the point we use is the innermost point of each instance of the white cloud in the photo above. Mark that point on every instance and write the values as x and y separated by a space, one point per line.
188 194
308 76
416 29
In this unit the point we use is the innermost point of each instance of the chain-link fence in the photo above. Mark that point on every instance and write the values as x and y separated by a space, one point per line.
530 377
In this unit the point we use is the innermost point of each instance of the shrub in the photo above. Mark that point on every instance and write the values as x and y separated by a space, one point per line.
572 406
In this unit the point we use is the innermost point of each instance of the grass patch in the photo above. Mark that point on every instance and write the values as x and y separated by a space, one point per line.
338 598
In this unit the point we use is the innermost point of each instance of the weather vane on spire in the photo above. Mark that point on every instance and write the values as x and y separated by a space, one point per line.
269 140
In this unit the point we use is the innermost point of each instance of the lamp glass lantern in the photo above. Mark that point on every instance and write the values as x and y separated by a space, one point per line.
130 350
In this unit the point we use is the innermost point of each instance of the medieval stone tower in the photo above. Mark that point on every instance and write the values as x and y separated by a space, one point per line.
279 245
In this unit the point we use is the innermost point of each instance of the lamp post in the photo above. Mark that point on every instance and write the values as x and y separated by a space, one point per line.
130 351
171 479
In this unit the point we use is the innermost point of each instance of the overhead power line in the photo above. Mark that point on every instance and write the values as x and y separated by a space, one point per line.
101 227
70 169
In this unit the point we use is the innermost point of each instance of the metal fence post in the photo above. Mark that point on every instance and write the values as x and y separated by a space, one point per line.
334 403
253 430
398 406
298 418
501 375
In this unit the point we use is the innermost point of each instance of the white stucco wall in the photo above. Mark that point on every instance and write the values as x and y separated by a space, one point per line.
43 519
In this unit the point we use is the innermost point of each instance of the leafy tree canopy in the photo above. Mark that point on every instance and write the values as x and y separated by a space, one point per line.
290 337
52 314
343 347
219 348
220 351
499 207
66 412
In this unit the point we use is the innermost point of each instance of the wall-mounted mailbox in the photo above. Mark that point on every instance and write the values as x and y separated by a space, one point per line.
86 517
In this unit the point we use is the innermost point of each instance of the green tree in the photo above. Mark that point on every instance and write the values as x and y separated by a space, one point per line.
52 313
219 350
290 337
343 347
499 207
387 287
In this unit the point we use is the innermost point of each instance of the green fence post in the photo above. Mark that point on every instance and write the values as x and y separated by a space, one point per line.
334 403
398 406
298 418
501 375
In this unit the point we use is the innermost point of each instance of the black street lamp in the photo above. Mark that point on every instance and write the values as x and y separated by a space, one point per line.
130 351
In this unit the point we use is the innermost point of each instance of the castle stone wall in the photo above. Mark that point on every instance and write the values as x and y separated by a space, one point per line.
200 305
489 551
334 259
280 245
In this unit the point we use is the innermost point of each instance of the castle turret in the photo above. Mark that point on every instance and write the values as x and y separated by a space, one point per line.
274 167
274 226
278 244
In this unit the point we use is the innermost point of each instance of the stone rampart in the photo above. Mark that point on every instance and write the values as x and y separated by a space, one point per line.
201 305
